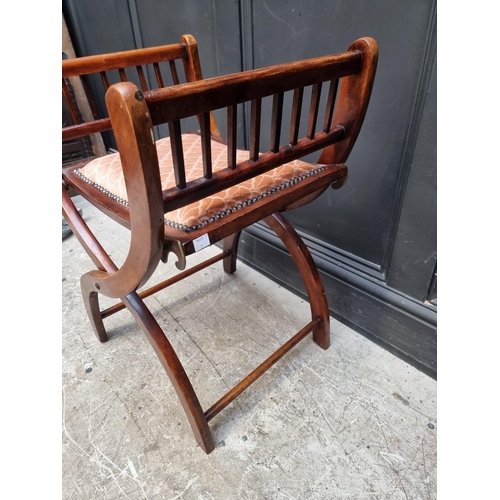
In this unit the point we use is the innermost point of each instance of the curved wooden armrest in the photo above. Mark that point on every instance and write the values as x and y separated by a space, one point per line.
142 178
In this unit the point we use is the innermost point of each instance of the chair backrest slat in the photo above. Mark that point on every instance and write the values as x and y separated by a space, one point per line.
255 115
313 110
159 77
123 75
330 105
276 119
175 133
206 149
142 78
173 70
90 98
232 127
75 115
295 120
105 81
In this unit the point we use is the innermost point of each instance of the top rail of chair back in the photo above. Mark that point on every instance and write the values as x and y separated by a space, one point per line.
117 60
189 99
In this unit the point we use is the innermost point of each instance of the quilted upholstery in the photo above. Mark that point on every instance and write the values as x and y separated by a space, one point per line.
106 173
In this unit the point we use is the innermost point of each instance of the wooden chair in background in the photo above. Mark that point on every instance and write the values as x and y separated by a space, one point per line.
185 192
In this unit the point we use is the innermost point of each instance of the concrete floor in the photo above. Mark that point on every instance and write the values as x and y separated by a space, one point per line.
350 422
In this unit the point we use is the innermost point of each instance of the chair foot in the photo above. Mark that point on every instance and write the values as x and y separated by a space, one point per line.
91 301
321 335
230 244
309 273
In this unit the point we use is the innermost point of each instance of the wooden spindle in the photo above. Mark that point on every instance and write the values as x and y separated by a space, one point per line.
177 153
173 70
276 118
255 112
206 148
159 77
295 120
123 75
330 105
142 78
232 126
313 110
105 81
262 368
75 115
90 97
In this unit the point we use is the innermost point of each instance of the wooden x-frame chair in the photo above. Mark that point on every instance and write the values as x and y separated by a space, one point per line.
190 190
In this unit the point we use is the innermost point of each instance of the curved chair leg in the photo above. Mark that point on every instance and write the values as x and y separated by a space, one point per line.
174 369
145 320
91 301
231 244
310 275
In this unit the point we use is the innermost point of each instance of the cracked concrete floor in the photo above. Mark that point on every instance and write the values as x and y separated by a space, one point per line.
350 422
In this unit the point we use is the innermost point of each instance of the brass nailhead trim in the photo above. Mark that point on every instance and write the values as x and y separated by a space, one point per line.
217 216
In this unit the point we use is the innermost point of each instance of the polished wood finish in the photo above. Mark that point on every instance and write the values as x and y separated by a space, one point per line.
255 113
134 111
219 92
174 198
230 246
171 281
260 370
309 273
313 110
174 369
296 111
276 122
120 60
353 100
232 123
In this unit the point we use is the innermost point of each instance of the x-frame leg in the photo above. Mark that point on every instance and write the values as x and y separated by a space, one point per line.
197 418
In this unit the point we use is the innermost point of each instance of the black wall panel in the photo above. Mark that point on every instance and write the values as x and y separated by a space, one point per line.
357 218
375 239
414 255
